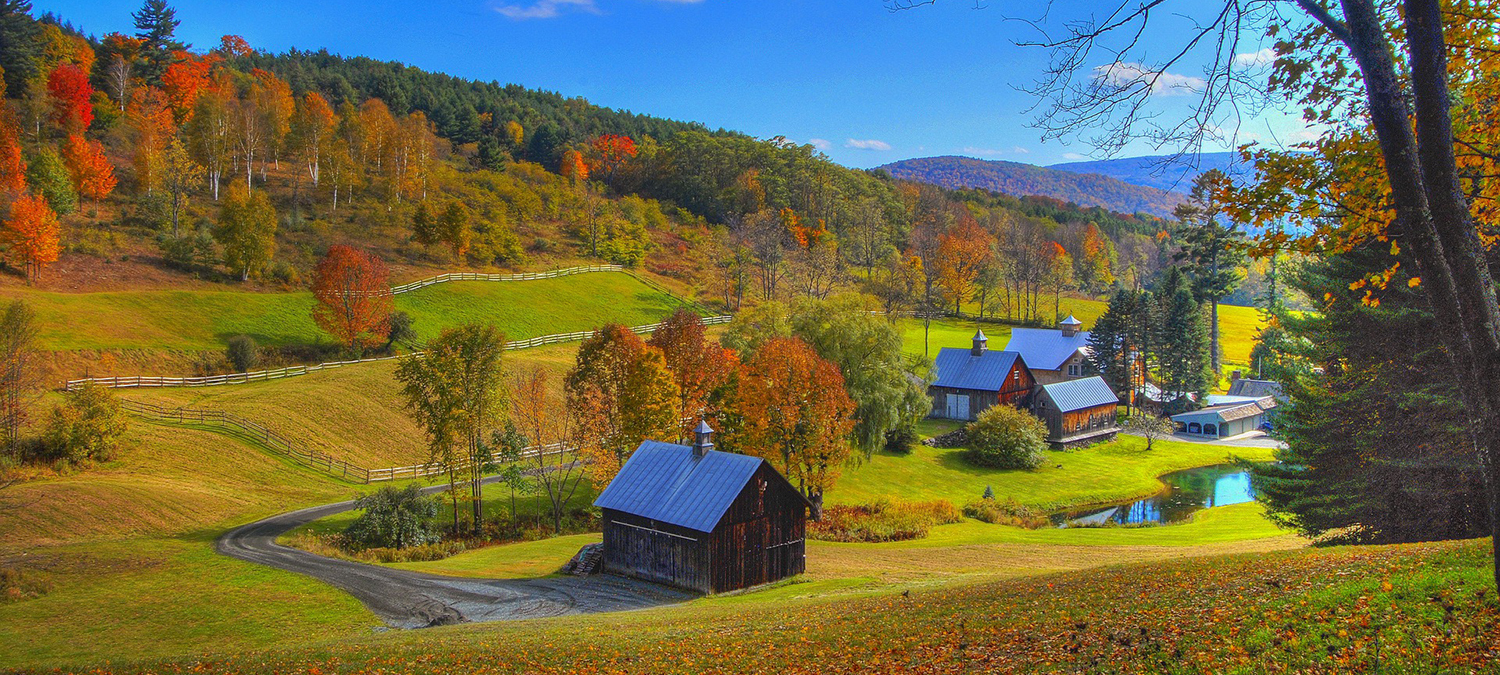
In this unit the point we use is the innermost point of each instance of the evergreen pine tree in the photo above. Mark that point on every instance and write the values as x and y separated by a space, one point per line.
156 24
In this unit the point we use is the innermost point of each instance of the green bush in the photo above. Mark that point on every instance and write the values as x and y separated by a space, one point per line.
85 427
242 353
882 521
1008 512
901 439
393 518
1006 438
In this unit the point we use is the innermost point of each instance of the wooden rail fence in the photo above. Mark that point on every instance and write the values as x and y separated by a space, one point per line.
519 276
143 381
301 453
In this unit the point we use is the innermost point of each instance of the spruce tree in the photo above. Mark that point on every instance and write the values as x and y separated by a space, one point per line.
19 46
1211 251
156 24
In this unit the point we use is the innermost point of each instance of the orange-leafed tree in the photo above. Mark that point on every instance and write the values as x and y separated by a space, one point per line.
609 152
699 366
620 392
72 97
93 176
148 120
962 253
791 409
354 301
188 77
234 45
31 233
12 161
573 167
312 128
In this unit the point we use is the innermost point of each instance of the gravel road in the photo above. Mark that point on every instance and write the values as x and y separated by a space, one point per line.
414 600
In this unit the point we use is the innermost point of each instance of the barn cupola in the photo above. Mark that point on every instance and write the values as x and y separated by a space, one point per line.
703 439
981 343
1070 326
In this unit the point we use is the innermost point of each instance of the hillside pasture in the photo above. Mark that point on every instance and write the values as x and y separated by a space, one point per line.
206 319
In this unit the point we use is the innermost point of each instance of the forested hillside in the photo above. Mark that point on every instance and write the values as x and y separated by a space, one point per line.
1163 172
133 160
1015 178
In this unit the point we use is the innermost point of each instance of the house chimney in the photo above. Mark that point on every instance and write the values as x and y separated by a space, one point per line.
1070 326
981 343
1235 375
703 439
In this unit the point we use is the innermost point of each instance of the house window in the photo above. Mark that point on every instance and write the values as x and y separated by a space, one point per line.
1073 370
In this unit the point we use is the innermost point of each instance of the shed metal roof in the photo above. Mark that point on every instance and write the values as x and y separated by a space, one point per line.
1256 388
961 369
1088 392
1227 412
1044 348
666 483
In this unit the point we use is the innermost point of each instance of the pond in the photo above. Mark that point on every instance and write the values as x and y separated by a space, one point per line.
1187 492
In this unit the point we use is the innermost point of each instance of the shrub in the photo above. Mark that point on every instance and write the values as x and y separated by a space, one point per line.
1008 512
87 426
242 353
393 518
901 439
1006 438
882 521
401 330
17 585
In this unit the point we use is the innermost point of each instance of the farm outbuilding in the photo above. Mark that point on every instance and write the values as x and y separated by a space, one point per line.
970 381
1078 412
700 519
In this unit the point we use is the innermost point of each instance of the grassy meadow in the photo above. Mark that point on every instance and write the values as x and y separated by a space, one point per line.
206 319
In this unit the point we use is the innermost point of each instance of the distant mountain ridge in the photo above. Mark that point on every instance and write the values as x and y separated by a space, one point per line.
1163 172
1017 179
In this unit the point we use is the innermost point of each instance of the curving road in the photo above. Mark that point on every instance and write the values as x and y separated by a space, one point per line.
414 600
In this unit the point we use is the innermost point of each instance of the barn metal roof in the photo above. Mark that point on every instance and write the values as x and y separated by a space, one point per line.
960 369
1073 395
1227 412
666 483
1044 348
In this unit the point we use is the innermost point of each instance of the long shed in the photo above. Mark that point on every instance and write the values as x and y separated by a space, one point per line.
1078 412
700 519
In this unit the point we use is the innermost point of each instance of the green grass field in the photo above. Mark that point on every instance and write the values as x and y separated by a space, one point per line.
204 320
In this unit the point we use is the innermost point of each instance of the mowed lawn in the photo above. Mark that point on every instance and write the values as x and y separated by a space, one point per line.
1238 327
205 320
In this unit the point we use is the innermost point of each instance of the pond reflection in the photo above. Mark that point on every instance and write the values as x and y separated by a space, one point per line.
1187 492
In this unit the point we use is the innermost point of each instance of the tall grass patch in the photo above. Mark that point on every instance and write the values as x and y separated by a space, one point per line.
882 520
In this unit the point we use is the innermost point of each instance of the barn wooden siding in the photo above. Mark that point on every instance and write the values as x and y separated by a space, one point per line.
1017 390
760 539
1078 421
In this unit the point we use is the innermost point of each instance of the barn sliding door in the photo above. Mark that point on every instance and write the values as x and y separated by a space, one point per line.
958 406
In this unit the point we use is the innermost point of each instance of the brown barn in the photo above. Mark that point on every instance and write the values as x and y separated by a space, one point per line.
970 381
700 519
1078 412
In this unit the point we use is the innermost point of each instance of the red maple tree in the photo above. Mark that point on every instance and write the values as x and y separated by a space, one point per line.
354 301
699 366
608 153
72 97
12 162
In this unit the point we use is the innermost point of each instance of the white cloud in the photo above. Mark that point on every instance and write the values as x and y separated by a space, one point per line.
1073 156
1119 74
1263 57
982 152
1020 150
820 143
870 144
551 9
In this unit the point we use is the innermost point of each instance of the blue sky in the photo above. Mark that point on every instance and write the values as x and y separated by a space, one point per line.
866 85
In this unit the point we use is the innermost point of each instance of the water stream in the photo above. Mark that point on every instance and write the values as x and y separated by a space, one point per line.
1187 493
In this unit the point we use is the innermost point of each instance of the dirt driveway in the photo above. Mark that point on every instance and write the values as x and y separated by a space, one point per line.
415 600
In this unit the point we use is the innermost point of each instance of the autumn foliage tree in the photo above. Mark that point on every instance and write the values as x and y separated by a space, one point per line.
93 176
609 152
31 233
962 252
72 97
699 366
621 393
791 410
12 161
354 302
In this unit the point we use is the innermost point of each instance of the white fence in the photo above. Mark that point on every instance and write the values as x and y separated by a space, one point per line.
519 276
143 381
